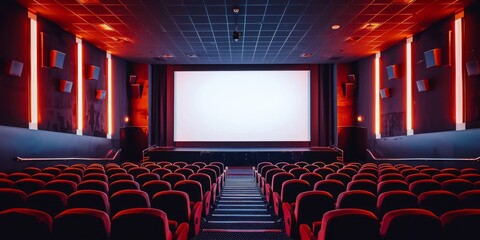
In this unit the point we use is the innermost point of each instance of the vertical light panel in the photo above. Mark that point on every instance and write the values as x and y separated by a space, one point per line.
79 86
377 96
408 81
109 96
33 121
459 118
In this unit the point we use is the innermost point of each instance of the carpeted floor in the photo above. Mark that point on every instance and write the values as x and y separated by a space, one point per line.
241 212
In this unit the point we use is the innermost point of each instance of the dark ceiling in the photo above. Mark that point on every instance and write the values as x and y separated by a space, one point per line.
273 31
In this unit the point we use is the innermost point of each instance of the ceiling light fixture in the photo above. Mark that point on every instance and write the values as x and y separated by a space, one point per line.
192 55
106 27
236 35
306 55
335 27
88 1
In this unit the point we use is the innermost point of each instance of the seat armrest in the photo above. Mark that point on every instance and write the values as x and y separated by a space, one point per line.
289 219
277 204
196 218
316 226
306 233
182 232
206 203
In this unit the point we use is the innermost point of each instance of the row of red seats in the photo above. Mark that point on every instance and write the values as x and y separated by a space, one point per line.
86 223
125 182
361 192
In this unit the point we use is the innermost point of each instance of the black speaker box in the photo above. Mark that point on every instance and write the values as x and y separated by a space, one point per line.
353 142
93 72
56 59
100 94
473 68
136 90
132 79
433 58
393 71
349 90
66 86
14 68
132 141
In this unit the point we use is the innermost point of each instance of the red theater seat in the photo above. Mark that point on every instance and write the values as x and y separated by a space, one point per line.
12 198
421 186
135 171
417 176
470 199
365 185
297 172
94 185
5 183
342 177
123 185
391 176
365 176
60 185
81 224
331 186
391 185
127 199
192 167
89 199
311 178
29 185
49 201
31 170
276 186
145 224
357 199
410 224
348 170
393 200
52 170
438 202
453 171
185 172
268 186
45 177
290 190
461 224
195 193
173 178
457 186
25 224
145 177
112 171
17 176
155 186
442 177
206 183
70 177
161 172
95 176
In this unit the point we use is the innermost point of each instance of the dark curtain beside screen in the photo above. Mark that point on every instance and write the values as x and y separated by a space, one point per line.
327 126
157 121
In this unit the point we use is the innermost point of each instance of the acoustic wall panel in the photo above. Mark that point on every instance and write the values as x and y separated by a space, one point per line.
433 58
14 68
56 59
66 86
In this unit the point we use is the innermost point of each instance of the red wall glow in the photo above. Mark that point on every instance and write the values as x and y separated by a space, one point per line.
109 96
408 81
459 118
377 96
33 123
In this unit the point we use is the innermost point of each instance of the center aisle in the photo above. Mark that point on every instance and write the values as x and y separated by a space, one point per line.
241 212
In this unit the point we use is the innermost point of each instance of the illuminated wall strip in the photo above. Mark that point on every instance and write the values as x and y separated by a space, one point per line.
377 96
459 118
409 85
79 86
109 95
33 121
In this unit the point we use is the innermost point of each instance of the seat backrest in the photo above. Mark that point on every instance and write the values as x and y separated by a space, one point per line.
94 185
396 199
127 199
153 223
260 165
297 172
70 177
176 204
457 186
348 170
95 176
12 198
421 186
301 163
52 170
192 188
211 173
25 224
311 178
65 186
217 169
289 167
430 171
81 224
193 167
270 173
171 167
311 205
409 171
416 176
319 163
200 164
185 172
203 179
112 171
391 176
161 172
45 177
173 178
343 224
291 188
49 201
438 201
181 164
332 186
453 171
278 179
365 176
29 185
441 177
311 167
410 223
122 185
391 185
89 199
470 199
387 170
363 184
342 177
360 199
6 183
472 177
219 164
163 163
75 170
469 170
31 170
137 171
90 170
145 177
461 224
155 186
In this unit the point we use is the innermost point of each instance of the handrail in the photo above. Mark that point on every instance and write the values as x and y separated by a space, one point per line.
20 159
339 150
146 150
421 159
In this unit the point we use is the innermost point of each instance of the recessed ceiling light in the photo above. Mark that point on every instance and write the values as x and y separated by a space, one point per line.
371 26
352 39
192 56
106 27
335 27
88 1
167 55
306 55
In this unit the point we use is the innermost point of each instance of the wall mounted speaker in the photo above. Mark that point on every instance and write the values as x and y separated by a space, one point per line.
136 90
56 59
351 78
385 93
66 86
100 94
349 90
473 68
93 72
132 79
393 71
423 85
433 58
14 68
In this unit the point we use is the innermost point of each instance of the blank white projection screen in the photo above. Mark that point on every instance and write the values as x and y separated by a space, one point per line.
242 106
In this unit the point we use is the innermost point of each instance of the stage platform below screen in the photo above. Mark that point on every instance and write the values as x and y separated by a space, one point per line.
244 156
